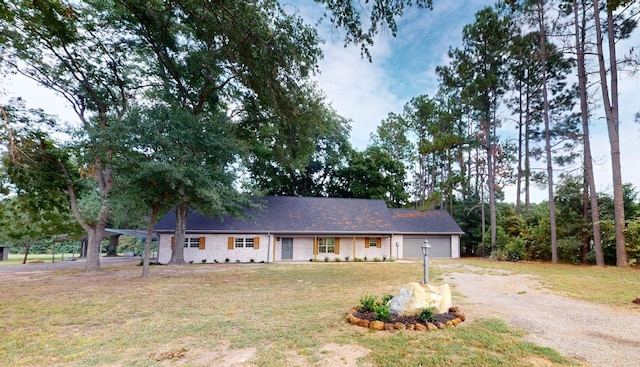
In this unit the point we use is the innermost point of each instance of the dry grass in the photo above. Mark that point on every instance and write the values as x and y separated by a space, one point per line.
231 314
607 285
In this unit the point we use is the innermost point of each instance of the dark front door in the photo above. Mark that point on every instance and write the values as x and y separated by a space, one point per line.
287 248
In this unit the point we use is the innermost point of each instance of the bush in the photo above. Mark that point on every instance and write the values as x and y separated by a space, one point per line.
569 250
510 250
376 260
428 314
367 303
337 259
346 258
386 299
383 312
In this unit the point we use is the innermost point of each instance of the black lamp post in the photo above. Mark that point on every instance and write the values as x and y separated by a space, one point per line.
425 252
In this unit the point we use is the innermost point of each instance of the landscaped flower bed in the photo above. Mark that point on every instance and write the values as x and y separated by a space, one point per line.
376 314
440 321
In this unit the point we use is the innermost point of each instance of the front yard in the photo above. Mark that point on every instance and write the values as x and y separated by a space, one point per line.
235 314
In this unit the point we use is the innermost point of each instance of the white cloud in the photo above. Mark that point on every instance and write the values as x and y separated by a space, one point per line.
357 89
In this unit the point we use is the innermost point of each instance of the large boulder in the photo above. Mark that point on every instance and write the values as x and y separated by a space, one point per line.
414 297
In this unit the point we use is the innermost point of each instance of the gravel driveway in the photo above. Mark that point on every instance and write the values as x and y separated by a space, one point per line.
595 334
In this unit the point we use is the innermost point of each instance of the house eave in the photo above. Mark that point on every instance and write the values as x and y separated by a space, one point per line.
283 233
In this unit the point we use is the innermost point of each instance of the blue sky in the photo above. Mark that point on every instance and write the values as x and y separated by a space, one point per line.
403 68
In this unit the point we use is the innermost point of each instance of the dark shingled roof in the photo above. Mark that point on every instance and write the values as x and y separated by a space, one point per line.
307 215
407 221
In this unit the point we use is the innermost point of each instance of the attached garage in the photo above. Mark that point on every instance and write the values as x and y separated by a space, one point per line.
440 246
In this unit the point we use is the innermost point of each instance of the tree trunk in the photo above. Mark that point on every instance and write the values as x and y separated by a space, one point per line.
520 153
547 132
491 181
146 256
26 253
177 254
611 113
112 247
590 188
527 157
95 232
95 236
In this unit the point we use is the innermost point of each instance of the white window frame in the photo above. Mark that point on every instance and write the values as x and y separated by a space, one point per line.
192 242
373 242
243 242
327 245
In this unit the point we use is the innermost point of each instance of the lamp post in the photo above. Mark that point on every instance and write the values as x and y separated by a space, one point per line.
425 252
397 249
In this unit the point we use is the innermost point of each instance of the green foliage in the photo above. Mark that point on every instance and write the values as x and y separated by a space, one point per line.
386 298
372 174
348 15
513 251
383 312
569 250
428 314
367 303
632 233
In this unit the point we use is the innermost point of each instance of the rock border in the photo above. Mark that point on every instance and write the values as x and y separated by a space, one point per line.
381 326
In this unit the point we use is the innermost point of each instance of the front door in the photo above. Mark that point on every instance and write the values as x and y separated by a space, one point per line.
287 248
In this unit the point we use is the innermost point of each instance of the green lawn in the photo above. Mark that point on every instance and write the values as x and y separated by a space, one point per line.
15 259
283 313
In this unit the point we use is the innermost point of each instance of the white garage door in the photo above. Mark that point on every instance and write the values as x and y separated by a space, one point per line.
440 246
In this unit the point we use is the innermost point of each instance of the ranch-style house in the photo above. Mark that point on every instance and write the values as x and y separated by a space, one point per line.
289 228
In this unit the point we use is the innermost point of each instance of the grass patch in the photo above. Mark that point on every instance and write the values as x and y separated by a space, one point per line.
606 285
15 259
117 318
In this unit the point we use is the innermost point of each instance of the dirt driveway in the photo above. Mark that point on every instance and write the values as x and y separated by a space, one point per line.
595 334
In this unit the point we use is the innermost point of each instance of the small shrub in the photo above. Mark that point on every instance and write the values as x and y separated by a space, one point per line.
384 258
204 261
326 259
337 259
365 258
357 259
386 299
376 260
237 261
215 261
346 258
367 303
428 314
383 312
252 260
227 260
